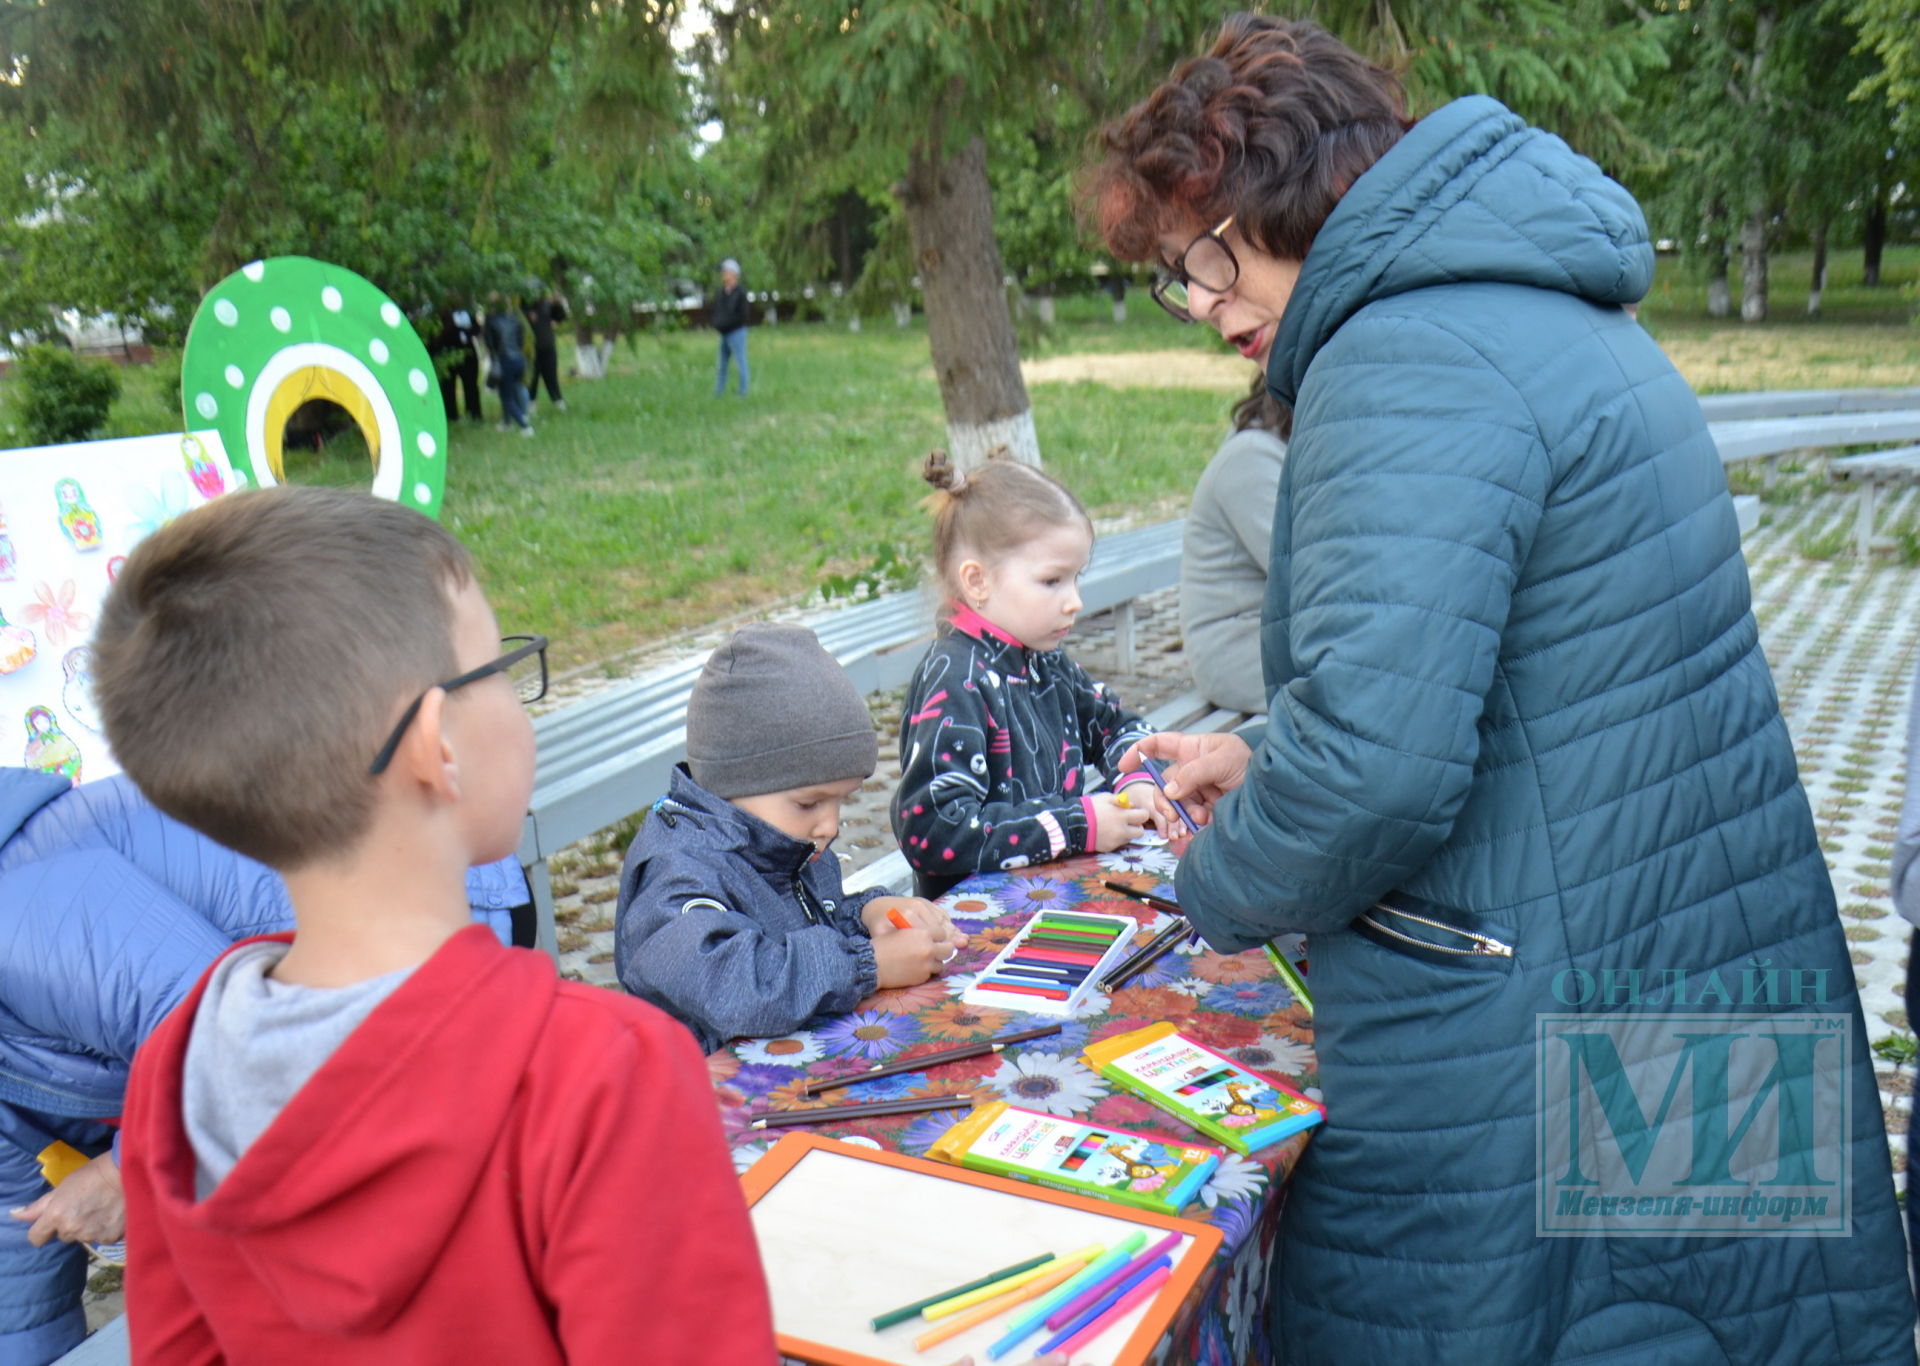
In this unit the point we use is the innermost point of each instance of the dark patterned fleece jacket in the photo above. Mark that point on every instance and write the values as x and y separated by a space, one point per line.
994 743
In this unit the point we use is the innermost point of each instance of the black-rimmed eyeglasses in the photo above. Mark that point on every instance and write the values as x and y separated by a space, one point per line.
1208 262
524 664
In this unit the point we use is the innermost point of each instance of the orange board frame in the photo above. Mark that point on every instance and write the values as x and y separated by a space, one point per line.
1194 1261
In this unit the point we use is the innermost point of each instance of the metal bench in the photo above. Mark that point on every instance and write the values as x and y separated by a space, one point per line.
1764 437
601 759
1872 472
1799 402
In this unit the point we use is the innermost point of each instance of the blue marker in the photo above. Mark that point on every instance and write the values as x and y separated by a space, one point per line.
1152 766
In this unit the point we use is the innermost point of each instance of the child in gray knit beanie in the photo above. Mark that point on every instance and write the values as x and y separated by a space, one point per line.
732 916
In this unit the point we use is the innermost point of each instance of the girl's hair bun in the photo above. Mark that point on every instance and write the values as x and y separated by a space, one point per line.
939 471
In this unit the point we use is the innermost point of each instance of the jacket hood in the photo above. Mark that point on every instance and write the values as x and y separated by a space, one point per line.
342 1206
727 830
1470 194
24 791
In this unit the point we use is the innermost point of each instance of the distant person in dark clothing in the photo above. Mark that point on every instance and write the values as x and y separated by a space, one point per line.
461 371
543 310
506 338
729 318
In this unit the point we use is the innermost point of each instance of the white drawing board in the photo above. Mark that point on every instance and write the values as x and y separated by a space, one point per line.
847 1234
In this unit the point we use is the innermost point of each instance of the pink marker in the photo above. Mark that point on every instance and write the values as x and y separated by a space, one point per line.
1071 1310
1120 1308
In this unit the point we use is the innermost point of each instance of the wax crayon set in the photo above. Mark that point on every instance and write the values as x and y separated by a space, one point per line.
1054 963
1071 1154
1208 1090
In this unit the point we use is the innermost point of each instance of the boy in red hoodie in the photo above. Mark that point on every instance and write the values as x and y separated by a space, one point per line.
384 1137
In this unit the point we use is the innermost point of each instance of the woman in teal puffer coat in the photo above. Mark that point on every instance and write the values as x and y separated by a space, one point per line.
1525 781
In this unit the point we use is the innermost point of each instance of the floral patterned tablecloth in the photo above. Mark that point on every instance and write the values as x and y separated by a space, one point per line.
1231 1002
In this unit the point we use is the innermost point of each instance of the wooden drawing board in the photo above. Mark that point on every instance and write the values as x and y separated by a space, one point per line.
847 1233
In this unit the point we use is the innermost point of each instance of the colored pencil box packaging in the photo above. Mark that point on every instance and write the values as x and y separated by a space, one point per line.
1073 1155
1208 1090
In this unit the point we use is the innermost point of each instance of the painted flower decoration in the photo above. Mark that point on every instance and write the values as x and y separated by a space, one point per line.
1232 967
880 1088
1047 1082
956 1019
1275 1056
927 1130
154 508
1197 987
870 1034
1235 1178
758 1078
974 906
746 1154
908 1000
1125 1111
1041 894
1150 1183
1141 857
793 1050
1260 997
722 1065
1221 1030
54 614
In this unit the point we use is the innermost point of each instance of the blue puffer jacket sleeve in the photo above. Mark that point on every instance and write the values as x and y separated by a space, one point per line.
1370 749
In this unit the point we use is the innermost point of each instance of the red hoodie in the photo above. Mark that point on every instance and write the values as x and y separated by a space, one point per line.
496 1166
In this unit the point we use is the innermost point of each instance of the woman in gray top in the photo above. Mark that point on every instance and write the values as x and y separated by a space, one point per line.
1223 561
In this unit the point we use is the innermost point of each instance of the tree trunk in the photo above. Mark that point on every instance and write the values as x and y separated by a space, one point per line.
1753 265
969 328
1873 237
1819 269
1719 295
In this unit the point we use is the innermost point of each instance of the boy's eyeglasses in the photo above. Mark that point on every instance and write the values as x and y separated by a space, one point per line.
1208 262
524 664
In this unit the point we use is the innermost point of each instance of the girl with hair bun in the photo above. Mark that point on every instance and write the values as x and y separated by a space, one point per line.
999 726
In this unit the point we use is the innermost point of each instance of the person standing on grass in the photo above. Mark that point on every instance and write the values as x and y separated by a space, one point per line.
507 367
543 310
1521 741
729 318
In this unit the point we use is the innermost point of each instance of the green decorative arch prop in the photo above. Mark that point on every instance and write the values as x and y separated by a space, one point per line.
278 333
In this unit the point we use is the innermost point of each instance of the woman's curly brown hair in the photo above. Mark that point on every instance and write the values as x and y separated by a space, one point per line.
1272 125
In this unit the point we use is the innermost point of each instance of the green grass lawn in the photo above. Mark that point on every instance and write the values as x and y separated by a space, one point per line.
652 507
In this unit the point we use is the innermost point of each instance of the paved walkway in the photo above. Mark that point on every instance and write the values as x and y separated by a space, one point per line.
1843 639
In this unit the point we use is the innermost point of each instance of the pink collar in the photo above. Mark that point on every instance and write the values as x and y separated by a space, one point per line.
970 622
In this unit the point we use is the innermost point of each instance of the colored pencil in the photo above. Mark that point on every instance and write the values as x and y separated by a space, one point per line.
1152 766
1114 1294
1159 903
1291 976
1069 918
1048 1277
1022 988
1118 1256
934 1059
1146 955
968 1298
828 1113
907 1311
900 921
1094 1292
1117 1311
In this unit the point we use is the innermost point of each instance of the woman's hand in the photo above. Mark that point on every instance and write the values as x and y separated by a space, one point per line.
88 1207
1201 768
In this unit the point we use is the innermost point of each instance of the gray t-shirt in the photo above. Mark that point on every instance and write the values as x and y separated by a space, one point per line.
255 1042
1223 568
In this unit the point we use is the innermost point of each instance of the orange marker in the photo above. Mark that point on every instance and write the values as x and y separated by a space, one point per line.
900 921
994 1307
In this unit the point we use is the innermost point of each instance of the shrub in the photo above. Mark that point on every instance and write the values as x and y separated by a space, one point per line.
61 397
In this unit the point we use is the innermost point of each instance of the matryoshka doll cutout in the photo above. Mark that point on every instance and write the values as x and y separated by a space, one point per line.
7 560
204 474
17 647
78 692
49 748
77 517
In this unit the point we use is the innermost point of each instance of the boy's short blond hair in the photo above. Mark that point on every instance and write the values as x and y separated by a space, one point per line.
254 653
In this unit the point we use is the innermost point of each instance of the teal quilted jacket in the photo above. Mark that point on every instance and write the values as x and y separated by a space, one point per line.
1521 736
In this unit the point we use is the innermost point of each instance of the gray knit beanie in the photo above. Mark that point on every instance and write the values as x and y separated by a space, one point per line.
773 711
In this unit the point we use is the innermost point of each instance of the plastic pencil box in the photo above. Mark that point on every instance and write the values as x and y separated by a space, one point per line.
1054 964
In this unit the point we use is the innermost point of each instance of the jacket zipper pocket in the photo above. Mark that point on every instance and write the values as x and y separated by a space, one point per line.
1477 945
